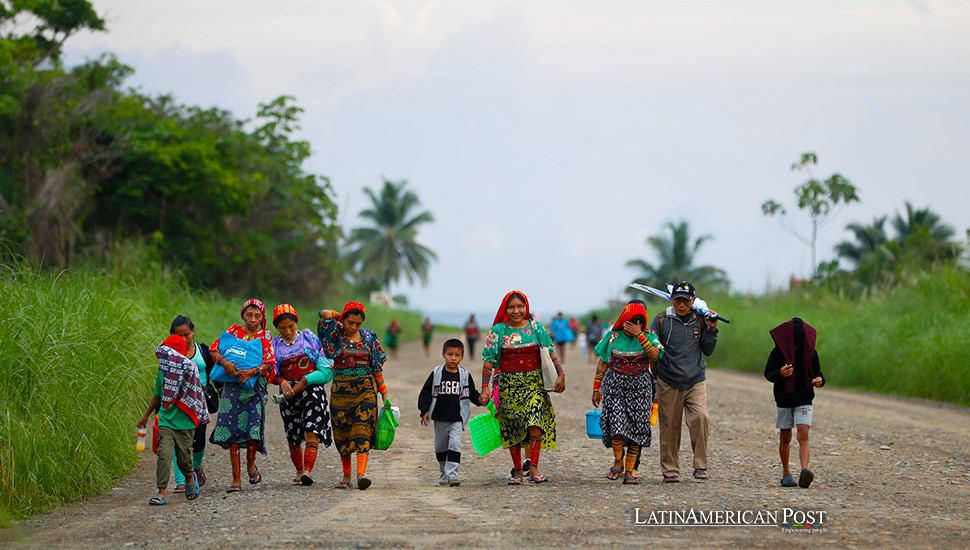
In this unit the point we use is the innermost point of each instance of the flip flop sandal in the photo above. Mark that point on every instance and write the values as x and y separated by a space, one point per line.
192 491
515 480
179 489
254 477
343 485
672 479
158 500
234 489
788 481
538 479
200 477
306 480
363 483
296 481
701 474
805 479
630 479
614 474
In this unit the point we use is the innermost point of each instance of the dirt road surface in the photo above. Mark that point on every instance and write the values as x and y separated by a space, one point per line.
889 473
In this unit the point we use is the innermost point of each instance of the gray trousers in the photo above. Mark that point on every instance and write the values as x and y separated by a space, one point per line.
181 441
447 447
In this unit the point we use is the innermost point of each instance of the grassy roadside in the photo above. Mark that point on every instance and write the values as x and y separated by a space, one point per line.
77 368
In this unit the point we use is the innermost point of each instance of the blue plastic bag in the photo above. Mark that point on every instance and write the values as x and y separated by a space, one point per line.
239 352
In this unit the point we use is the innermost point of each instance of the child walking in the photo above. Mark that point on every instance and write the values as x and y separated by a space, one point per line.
180 403
794 369
445 399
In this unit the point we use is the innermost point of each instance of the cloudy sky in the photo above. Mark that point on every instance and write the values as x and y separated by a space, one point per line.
550 138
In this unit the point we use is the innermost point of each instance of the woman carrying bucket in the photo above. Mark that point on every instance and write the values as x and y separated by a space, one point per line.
526 415
626 388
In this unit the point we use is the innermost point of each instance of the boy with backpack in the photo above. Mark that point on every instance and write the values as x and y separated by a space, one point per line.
445 399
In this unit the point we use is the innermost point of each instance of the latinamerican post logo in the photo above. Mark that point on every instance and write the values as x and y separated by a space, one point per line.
788 519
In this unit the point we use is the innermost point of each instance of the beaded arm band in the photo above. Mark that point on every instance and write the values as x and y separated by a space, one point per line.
642 338
597 380
379 378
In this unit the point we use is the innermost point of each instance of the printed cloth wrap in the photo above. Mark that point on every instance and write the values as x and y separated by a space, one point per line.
181 385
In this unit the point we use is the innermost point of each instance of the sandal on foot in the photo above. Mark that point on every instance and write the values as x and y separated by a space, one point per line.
234 489
515 479
200 477
296 481
179 489
614 473
306 480
701 474
254 477
672 479
805 479
630 479
363 483
192 490
342 485
538 479
158 500
788 481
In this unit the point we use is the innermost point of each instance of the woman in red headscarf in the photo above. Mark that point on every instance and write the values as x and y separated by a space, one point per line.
358 368
242 411
526 415
626 388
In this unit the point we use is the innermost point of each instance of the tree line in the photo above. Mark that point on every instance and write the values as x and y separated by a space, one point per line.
86 163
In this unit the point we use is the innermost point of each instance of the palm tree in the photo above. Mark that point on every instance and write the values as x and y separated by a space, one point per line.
677 253
387 249
869 239
925 218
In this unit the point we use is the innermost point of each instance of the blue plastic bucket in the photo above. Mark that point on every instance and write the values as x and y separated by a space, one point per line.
593 429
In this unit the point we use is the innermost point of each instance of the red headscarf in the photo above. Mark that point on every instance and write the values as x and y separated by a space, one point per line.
283 309
258 304
177 343
628 313
501 316
353 305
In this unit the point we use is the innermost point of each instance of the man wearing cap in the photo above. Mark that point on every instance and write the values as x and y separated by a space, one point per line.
687 337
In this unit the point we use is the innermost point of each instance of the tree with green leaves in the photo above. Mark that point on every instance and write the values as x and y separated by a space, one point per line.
917 218
818 198
677 253
388 249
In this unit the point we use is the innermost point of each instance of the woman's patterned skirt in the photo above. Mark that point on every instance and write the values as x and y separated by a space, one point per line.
353 413
627 402
522 403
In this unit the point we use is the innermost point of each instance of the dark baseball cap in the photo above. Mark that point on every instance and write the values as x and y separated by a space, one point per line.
683 289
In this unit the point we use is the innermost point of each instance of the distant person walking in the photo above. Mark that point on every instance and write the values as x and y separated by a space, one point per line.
561 334
427 332
595 329
393 336
682 371
471 334
574 326
794 369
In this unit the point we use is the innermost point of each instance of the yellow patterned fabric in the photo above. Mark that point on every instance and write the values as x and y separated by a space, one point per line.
353 413
522 403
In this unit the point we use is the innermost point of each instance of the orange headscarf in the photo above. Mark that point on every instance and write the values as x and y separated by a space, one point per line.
283 309
629 312
501 316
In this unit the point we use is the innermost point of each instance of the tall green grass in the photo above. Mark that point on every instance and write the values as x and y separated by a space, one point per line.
77 368
912 341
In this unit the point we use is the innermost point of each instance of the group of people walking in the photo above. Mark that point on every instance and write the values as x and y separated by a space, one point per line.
637 367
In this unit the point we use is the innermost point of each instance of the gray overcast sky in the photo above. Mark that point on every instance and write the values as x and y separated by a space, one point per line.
550 138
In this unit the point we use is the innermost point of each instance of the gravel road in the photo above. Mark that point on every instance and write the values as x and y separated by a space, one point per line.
889 473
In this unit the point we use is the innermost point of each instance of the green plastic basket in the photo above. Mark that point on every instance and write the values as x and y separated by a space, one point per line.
484 430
